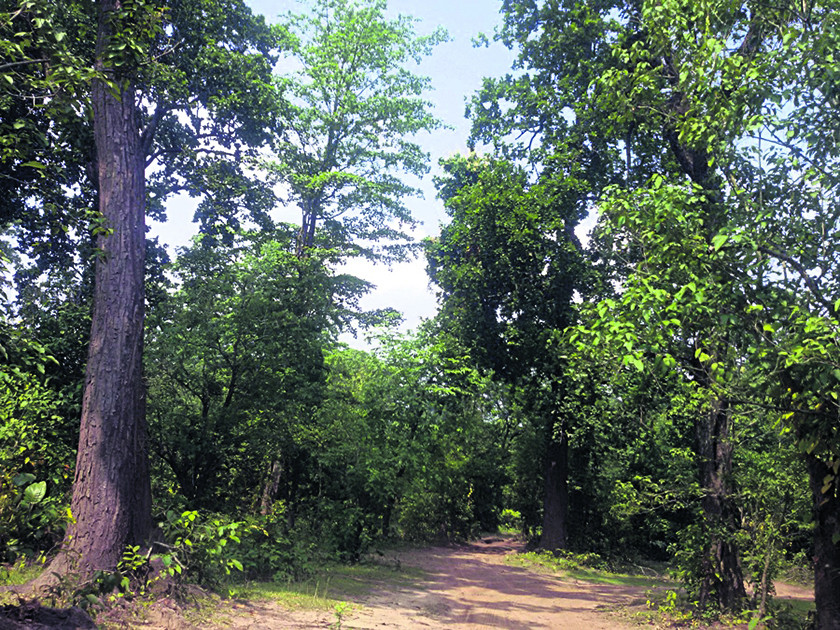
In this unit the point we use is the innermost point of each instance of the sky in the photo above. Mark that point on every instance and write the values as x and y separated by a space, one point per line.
456 69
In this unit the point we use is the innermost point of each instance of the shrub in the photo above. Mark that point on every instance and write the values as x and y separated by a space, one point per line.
37 466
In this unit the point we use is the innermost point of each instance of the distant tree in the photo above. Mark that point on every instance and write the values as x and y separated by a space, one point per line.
344 137
508 265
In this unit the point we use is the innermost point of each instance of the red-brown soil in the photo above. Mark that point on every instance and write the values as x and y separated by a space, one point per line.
466 587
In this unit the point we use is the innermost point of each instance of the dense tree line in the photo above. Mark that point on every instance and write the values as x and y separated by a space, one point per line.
665 388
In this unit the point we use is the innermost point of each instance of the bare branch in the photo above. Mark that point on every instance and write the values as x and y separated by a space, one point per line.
28 62
803 273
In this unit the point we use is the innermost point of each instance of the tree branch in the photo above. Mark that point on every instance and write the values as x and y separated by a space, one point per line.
803 273
14 64
148 135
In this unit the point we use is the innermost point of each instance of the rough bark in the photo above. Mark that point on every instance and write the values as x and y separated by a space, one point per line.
111 492
556 500
722 581
826 547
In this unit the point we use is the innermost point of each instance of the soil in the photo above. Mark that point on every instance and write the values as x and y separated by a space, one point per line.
465 588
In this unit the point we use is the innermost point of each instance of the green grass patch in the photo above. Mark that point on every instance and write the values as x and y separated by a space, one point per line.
589 568
20 572
332 585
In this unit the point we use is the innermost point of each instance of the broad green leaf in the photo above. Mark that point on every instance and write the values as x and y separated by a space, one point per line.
35 493
23 479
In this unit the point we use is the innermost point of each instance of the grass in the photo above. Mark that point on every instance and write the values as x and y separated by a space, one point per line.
20 572
588 568
338 589
332 585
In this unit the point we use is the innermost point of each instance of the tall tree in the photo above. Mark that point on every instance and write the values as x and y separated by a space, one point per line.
508 265
749 127
344 137
727 238
146 66
111 492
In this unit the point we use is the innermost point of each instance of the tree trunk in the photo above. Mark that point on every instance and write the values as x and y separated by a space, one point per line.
556 503
271 487
111 501
722 581
826 547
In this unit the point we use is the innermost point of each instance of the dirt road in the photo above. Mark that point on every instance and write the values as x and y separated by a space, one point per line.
471 587
466 588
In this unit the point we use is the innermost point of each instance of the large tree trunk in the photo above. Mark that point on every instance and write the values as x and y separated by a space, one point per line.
111 501
722 581
826 546
556 501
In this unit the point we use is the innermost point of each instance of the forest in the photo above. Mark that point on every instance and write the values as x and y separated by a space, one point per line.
662 389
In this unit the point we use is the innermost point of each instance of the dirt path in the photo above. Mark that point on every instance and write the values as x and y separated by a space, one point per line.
467 588
471 587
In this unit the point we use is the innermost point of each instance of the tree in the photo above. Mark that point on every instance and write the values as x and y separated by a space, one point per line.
507 266
727 242
344 134
142 74
752 134
111 493
235 366
691 111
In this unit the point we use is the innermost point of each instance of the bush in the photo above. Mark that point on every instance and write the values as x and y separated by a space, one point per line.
37 466
426 514
511 521
203 550
269 551
213 550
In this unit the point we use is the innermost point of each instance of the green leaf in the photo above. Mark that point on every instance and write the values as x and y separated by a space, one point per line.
23 479
35 493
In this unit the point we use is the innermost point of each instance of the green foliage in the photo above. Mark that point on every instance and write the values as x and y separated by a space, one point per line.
510 521
235 363
507 264
269 550
33 447
246 413
703 133
340 609
684 122
776 509
201 549
410 432
344 133
562 561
